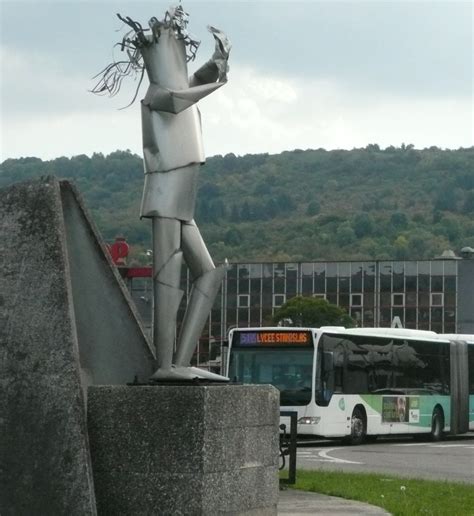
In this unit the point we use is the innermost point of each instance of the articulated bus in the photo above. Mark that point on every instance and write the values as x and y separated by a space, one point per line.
359 383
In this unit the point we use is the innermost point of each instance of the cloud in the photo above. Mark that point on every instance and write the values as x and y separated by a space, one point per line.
328 114
73 134
38 84
303 74
253 113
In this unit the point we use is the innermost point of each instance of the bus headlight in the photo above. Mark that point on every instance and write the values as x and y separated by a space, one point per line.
309 420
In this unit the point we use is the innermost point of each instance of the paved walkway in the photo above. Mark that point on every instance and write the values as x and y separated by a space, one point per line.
301 503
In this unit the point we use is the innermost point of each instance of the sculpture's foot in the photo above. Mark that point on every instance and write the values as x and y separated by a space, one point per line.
174 374
185 374
207 375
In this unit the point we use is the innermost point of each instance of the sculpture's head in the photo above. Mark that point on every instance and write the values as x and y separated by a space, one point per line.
137 38
175 19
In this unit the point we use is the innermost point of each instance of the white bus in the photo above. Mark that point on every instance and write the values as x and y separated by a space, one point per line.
359 383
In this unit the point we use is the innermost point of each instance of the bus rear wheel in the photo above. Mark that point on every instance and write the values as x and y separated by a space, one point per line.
358 428
437 425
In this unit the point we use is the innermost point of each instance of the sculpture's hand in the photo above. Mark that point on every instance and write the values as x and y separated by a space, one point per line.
216 68
223 44
221 52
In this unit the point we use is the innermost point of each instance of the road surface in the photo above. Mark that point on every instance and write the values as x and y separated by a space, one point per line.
451 459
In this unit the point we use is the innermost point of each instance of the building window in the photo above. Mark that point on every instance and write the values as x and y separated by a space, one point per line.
319 296
437 299
398 299
278 300
356 299
244 301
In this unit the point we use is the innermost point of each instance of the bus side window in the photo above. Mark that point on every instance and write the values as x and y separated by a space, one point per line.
470 358
328 375
324 384
328 362
338 379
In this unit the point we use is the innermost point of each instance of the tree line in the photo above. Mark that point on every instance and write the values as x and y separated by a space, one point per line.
368 203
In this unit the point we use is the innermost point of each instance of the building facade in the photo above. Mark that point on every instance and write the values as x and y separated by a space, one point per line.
435 295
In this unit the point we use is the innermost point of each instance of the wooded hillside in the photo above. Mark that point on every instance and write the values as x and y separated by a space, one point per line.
299 205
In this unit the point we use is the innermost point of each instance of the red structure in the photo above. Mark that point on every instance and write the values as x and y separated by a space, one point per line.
119 251
137 272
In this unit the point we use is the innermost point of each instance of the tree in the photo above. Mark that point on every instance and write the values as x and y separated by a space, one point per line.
345 234
399 220
233 237
401 247
362 225
313 313
313 208
446 199
468 206
450 227
373 147
418 244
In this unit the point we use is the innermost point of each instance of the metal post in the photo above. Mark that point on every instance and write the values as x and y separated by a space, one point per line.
289 446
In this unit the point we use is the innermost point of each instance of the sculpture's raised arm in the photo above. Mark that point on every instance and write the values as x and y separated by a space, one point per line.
215 70
211 76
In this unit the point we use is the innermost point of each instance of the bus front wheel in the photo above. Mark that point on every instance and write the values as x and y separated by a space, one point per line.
358 428
437 425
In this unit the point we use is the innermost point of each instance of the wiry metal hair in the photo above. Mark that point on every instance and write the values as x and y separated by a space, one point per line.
177 19
110 78
112 75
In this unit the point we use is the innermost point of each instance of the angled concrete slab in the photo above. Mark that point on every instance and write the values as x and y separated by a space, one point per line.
112 344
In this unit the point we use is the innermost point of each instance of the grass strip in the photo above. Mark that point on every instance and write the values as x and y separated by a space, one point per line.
399 496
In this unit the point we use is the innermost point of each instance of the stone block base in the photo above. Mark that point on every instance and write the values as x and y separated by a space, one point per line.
184 450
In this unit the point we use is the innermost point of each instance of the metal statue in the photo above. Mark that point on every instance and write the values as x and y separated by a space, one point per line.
173 153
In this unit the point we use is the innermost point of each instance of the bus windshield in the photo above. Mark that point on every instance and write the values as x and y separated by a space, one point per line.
288 369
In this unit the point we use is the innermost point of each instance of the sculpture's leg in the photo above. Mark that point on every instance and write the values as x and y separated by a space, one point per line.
167 261
207 280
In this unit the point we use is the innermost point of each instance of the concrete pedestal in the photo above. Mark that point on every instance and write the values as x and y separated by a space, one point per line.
184 450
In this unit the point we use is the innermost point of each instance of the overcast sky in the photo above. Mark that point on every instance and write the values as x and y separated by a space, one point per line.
311 74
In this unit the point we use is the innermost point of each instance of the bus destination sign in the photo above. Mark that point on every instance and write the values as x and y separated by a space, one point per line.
272 338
